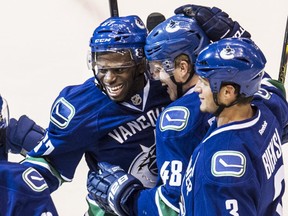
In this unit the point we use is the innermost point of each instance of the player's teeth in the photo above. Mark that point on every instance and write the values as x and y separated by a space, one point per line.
115 88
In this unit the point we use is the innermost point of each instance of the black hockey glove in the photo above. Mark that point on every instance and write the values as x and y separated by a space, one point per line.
112 188
23 135
153 20
216 23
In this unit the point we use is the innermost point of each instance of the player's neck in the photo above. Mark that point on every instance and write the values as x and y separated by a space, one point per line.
138 85
191 83
237 112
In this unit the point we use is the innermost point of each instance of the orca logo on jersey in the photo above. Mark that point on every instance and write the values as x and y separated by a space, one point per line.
144 167
62 113
174 118
228 163
34 180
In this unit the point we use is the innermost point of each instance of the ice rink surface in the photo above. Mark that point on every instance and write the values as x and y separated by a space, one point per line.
44 44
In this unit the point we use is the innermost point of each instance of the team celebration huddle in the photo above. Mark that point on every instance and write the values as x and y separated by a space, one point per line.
178 117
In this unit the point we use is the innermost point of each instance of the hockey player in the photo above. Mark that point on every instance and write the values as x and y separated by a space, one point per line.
110 117
171 49
238 167
24 193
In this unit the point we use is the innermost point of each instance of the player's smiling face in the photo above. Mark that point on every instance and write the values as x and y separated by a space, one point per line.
116 71
157 72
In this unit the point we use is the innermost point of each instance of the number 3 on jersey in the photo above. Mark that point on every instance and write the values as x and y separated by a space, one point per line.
171 172
232 205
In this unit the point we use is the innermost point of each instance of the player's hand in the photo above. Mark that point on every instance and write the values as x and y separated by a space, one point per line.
112 188
23 135
216 23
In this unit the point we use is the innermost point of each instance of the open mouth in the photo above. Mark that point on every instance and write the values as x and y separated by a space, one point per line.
115 90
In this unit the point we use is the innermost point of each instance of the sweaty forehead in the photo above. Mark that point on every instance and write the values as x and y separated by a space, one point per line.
114 59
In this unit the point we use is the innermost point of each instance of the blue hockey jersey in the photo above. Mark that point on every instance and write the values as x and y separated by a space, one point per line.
238 167
179 130
84 120
23 191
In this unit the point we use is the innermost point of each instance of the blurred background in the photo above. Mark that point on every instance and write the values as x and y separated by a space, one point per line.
44 44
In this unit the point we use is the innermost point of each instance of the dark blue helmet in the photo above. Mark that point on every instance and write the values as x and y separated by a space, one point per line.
176 35
232 60
120 33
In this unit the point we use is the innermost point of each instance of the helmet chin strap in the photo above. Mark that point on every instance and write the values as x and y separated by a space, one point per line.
221 107
180 85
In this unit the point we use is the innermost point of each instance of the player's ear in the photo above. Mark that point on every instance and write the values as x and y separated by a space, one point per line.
228 93
184 68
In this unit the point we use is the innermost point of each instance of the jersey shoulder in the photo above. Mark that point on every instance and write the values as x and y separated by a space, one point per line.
273 99
233 149
76 105
183 116
18 181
